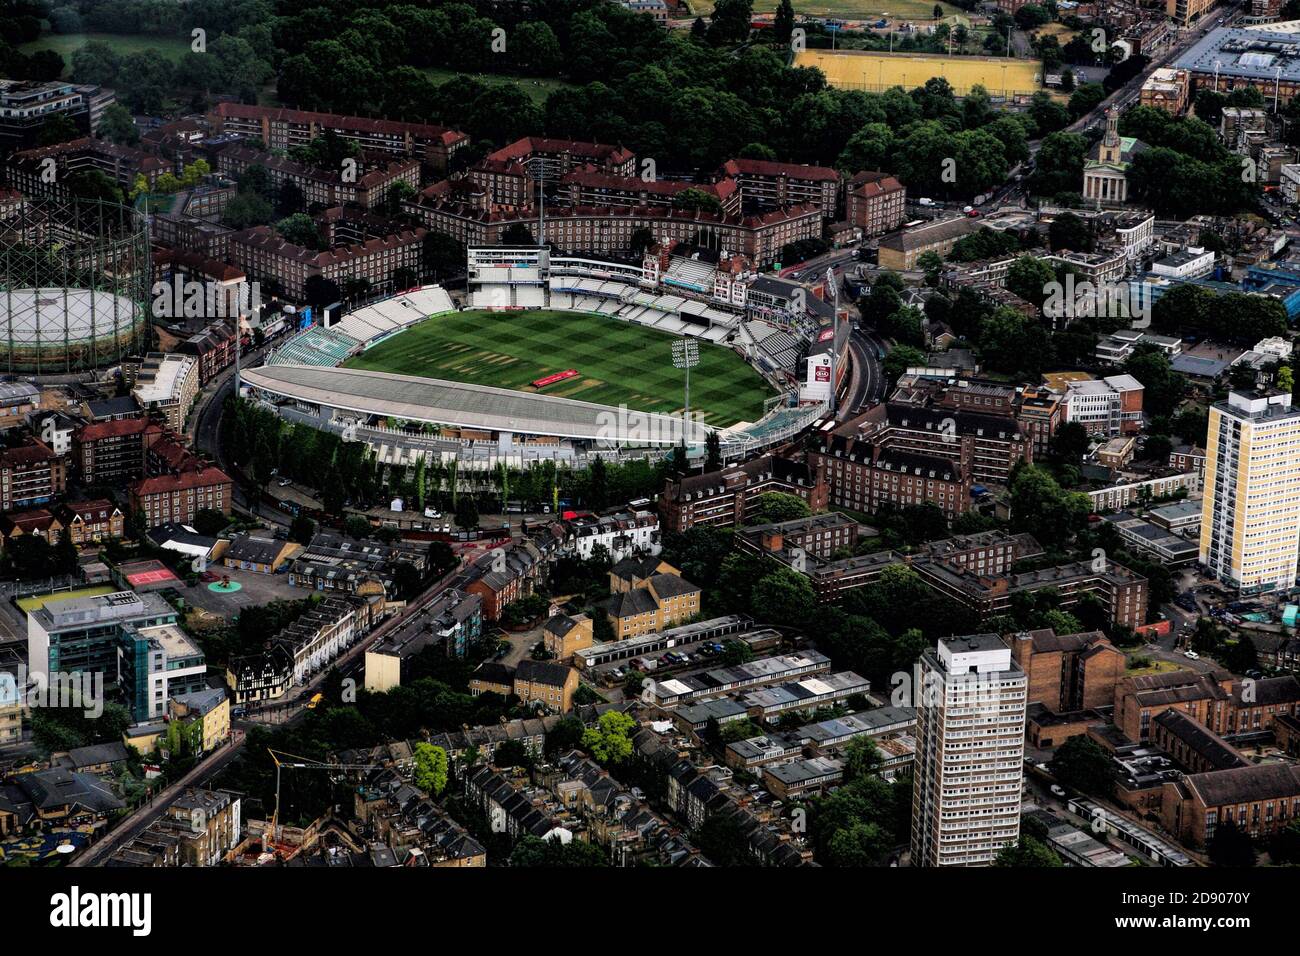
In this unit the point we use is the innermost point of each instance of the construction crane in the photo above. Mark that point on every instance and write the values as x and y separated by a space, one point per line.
270 835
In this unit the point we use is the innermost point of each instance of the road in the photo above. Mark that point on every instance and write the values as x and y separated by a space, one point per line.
206 430
136 823
868 384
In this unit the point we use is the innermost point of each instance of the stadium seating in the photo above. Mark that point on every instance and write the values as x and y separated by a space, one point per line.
780 346
314 346
381 318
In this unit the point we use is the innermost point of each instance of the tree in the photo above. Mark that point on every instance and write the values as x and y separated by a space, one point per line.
722 841
96 63
357 526
117 126
300 230
517 234
730 21
1158 448
1040 506
1031 16
861 759
783 23
694 198
466 512
713 452
246 209
905 326
931 263
1241 655
1059 167
1086 98
319 291
1070 444
871 147
302 529
1284 847
1027 852
736 652
1230 845
783 597
430 768
65 556
566 735
1084 765
777 506
210 522
533 851
610 741
1068 231
898 360
1162 387
597 485
1029 278
535 49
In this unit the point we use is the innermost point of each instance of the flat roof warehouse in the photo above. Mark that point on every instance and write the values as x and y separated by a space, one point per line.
1250 54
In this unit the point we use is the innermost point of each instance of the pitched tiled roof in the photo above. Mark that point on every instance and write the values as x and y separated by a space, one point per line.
762 167
189 479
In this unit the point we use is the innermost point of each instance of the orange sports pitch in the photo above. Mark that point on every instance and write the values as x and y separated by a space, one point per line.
875 72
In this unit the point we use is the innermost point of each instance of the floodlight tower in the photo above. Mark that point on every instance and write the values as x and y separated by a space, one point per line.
834 289
686 355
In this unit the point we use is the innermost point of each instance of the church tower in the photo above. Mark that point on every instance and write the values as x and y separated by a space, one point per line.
1110 146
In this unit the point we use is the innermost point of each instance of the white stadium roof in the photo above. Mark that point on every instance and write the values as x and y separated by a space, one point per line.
466 405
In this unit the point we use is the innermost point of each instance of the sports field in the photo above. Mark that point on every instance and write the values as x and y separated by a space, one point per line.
36 601
874 72
618 363
848 9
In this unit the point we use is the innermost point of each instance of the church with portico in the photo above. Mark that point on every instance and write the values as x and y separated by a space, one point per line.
1105 172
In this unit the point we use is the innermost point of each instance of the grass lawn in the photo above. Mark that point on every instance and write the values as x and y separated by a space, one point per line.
537 88
619 363
35 601
1153 667
65 44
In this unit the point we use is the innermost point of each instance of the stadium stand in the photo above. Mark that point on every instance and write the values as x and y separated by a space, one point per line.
690 274
383 318
314 346
324 347
777 346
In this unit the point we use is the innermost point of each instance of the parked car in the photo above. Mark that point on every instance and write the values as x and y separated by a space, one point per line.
1191 655
1057 790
